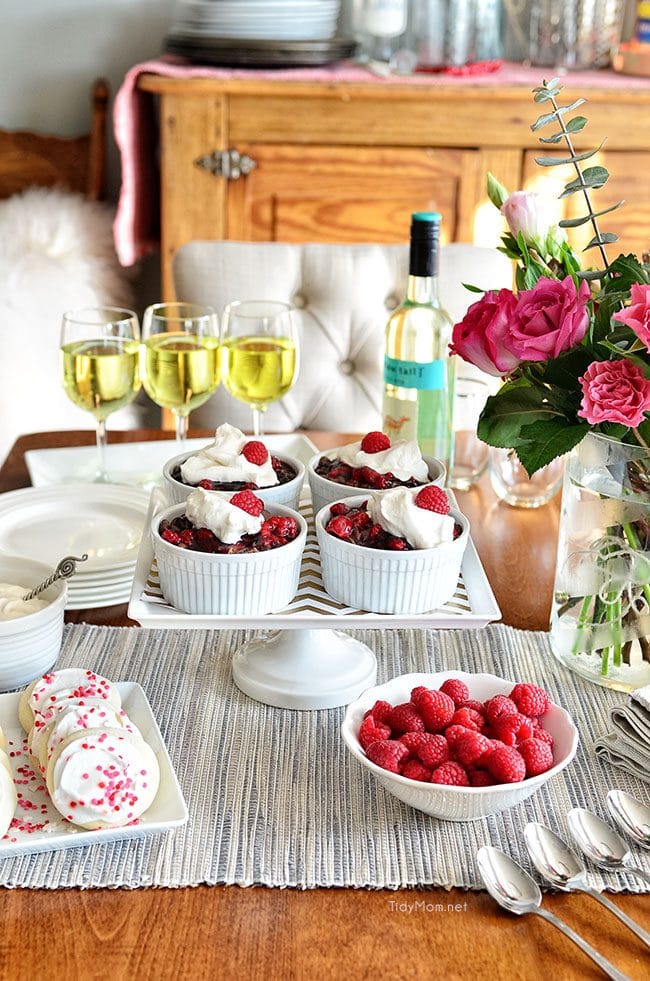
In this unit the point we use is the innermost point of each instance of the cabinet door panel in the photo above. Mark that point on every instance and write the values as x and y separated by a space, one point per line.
629 180
355 194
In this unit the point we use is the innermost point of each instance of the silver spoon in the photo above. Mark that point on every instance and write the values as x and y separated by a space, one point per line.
630 815
66 568
517 892
602 844
553 859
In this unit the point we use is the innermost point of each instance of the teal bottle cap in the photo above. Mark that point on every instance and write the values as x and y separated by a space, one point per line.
428 216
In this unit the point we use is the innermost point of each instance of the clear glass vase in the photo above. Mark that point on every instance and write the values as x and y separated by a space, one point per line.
600 620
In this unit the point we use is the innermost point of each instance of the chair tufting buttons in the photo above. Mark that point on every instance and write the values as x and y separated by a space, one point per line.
347 367
391 301
299 301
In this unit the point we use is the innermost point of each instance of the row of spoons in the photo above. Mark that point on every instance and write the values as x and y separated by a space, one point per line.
518 892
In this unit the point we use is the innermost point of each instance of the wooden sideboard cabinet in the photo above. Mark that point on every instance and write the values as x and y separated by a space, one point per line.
267 160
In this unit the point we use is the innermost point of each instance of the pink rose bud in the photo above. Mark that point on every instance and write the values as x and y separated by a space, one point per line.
637 315
482 335
549 319
614 391
525 212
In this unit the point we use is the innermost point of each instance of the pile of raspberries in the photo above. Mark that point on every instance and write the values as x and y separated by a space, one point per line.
443 736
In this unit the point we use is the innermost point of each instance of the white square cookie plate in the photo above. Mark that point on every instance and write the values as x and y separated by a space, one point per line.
38 827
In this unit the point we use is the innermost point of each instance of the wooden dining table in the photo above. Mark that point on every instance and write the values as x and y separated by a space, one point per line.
259 932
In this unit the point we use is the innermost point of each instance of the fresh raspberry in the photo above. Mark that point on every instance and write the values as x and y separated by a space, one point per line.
375 442
436 709
341 527
537 755
456 689
480 778
469 718
545 736
470 747
380 712
416 692
433 750
506 765
415 770
498 707
248 502
453 734
513 729
452 774
338 509
530 699
371 731
255 452
387 753
433 498
405 718
473 703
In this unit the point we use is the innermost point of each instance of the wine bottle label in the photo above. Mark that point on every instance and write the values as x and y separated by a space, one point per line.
414 374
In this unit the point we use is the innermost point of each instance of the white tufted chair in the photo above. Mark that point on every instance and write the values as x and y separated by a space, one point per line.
344 294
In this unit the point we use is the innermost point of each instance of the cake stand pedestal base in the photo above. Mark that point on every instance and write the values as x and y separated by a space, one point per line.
304 668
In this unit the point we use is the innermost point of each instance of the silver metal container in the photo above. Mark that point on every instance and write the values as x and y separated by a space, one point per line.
562 33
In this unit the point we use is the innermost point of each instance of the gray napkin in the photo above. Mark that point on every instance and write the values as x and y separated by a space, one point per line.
628 746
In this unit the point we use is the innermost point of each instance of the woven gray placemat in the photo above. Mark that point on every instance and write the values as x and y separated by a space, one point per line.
275 798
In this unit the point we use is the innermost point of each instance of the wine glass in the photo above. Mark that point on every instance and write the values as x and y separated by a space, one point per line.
259 353
181 358
100 349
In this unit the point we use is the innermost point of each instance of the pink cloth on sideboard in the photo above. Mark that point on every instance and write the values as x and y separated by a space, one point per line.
136 226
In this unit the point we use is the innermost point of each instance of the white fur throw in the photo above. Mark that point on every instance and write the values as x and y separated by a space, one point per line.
56 253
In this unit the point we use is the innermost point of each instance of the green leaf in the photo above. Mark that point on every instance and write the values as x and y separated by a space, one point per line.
603 238
615 430
473 289
591 177
565 370
571 158
556 138
546 440
507 412
628 270
575 222
560 111
591 274
576 124
496 191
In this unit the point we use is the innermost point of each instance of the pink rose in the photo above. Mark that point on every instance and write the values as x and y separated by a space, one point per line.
524 211
637 315
614 391
549 319
481 336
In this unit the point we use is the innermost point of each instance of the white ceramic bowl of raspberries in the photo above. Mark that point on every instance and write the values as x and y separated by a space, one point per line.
459 746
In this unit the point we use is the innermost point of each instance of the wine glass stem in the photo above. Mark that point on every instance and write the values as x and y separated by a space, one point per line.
258 419
181 427
102 473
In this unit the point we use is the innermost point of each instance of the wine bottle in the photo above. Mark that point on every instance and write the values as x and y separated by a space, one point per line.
418 370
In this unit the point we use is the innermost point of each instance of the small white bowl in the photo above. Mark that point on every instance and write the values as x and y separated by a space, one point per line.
30 645
287 495
249 584
382 581
457 803
324 491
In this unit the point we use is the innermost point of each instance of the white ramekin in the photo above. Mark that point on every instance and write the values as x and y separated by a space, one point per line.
30 645
381 581
324 491
228 585
287 495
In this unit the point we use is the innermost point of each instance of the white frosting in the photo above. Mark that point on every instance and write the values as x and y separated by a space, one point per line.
205 509
8 795
403 459
69 683
396 511
12 604
3 741
102 778
223 461
65 718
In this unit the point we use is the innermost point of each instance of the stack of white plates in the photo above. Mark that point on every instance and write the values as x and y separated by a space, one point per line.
267 20
106 521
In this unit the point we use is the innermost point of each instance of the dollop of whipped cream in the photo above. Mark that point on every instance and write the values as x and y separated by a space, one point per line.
206 509
12 604
223 461
403 459
396 511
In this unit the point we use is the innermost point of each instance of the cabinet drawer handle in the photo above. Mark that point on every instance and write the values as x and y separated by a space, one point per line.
230 164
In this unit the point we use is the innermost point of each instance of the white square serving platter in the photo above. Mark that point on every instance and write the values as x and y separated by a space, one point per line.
472 605
168 810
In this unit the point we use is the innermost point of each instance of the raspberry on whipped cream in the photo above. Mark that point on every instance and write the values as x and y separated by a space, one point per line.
397 513
224 462
403 459
205 509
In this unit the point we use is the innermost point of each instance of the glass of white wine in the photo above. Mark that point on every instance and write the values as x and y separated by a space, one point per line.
99 356
259 353
181 358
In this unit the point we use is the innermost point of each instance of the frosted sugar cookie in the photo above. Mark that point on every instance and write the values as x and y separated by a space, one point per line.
91 714
8 796
102 778
57 686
